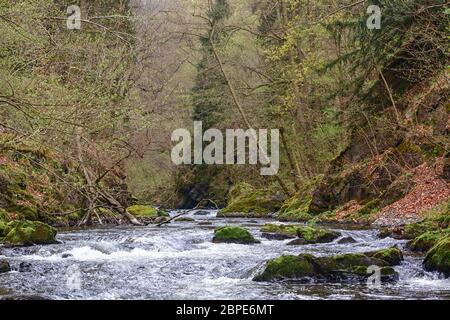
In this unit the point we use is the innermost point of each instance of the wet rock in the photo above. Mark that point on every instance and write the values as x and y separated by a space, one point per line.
25 233
347 240
66 255
438 258
205 223
24 267
305 234
201 213
184 219
352 267
276 236
230 234
4 266
159 220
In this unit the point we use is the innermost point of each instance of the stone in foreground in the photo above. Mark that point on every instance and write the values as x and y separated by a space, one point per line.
438 258
352 267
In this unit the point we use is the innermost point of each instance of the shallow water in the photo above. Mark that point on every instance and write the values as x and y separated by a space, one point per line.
179 261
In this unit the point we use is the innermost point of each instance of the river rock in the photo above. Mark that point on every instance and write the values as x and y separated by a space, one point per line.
438 258
347 240
24 267
304 234
25 233
201 213
230 234
4 266
351 267
276 236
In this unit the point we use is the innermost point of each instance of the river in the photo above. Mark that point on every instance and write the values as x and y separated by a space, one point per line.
179 261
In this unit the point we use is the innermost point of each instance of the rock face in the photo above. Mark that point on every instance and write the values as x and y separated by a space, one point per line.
426 241
246 201
4 266
438 258
352 267
25 233
233 235
304 234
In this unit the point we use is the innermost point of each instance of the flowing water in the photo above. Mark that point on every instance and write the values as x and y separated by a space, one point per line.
179 261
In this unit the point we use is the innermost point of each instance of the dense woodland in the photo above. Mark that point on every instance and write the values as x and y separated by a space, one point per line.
86 115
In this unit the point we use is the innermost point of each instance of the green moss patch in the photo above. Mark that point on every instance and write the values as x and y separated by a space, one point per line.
24 233
143 211
438 258
230 234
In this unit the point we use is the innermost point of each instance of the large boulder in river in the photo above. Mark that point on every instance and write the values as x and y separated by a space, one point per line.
344 267
230 234
25 233
304 234
438 258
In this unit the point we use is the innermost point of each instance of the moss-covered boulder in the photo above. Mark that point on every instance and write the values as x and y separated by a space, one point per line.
427 240
304 234
25 233
4 266
344 267
289 267
438 258
229 234
246 201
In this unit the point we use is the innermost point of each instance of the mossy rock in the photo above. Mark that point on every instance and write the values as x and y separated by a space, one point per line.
427 240
24 233
393 256
230 234
4 219
288 267
438 258
310 235
143 211
296 209
343 267
245 201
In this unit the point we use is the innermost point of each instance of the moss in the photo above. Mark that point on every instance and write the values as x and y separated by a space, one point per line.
296 209
184 219
23 232
427 240
230 234
245 201
351 266
316 235
4 219
438 258
308 234
288 267
414 230
142 211
280 228
393 256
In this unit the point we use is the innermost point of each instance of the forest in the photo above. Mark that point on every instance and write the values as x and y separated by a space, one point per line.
345 101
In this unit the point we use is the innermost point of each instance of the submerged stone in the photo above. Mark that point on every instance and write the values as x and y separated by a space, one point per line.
230 234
